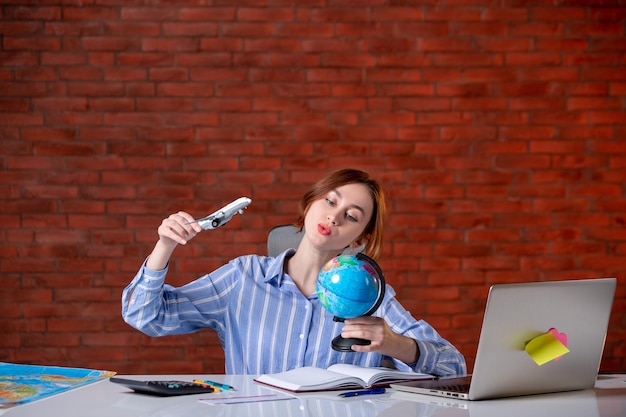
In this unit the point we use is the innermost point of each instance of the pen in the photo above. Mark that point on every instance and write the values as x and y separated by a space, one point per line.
363 392
206 384
220 385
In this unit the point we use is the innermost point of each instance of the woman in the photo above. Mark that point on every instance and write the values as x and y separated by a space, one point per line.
265 309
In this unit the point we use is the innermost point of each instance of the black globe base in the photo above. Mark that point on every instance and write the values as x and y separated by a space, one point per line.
341 344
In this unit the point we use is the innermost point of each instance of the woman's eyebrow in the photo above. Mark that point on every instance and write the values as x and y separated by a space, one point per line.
356 206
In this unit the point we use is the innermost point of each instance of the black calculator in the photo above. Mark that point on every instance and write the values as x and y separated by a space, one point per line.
163 388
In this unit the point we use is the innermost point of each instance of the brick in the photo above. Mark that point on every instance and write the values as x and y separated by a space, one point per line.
38 74
494 235
454 14
610 177
443 43
474 60
617 88
262 14
152 59
607 14
617 162
525 59
503 44
219 14
593 103
398 75
473 103
294 59
446 308
366 29
561 117
467 133
577 162
427 31
600 262
207 29
586 132
536 103
491 75
562 147
131 29
550 74
506 14
306 30
162 74
16 43
438 118
479 29
602 29
336 14
348 60
114 44
391 119
605 59
602 74
81 73
607 117
423 104
537 29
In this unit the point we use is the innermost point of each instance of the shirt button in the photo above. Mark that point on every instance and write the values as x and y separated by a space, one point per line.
301 336
306 307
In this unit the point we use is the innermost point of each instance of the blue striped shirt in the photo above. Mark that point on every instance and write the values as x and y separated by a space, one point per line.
265 324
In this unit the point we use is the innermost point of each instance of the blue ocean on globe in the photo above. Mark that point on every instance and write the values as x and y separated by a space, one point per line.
347 287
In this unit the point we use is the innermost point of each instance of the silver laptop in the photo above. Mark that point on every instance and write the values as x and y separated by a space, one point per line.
514 315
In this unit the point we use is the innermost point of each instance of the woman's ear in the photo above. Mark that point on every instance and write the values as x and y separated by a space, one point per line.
356 246
356 243
361 241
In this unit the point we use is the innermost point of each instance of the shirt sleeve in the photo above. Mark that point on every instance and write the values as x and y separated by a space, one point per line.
437 356
158 309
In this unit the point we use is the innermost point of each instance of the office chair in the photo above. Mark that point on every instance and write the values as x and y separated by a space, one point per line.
287 236
283 237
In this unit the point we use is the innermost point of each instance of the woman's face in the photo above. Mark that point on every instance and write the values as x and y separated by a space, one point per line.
338 219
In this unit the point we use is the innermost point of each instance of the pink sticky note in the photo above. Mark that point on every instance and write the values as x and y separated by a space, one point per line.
547 347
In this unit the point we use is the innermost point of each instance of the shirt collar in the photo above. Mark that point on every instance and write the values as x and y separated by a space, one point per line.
276 267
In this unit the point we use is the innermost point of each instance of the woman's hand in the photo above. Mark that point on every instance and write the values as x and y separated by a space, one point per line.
178 228
175 230
383 339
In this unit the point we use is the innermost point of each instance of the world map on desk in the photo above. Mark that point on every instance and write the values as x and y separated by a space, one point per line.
20 384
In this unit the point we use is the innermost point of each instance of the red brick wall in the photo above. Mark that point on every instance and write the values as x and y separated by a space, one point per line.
498 129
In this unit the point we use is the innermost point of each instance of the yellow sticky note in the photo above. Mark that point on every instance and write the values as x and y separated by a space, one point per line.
545 348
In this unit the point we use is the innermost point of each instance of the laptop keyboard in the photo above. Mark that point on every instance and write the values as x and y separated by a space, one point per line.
455 387
457 384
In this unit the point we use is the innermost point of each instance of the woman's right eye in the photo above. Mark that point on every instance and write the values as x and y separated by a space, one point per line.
330 202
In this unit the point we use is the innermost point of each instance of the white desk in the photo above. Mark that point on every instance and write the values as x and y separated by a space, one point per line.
106 399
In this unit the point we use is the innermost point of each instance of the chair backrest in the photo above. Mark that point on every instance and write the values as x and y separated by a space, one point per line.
283 237
287 236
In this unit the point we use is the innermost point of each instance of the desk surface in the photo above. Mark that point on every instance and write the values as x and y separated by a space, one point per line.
106 399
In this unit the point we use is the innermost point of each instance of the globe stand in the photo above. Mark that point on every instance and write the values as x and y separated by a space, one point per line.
342 344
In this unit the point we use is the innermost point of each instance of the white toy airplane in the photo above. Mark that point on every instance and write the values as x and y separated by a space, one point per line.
223 215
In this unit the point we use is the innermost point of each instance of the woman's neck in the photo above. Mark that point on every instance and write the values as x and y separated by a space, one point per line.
304 267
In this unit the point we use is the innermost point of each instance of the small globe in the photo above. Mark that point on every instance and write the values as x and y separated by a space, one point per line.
348 286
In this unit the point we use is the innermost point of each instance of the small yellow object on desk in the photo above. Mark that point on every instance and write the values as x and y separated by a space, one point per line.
197 381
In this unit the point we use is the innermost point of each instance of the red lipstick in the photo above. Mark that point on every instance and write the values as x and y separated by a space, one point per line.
324 230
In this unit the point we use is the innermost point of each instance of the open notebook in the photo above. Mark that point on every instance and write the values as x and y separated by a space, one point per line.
536 338
336 377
